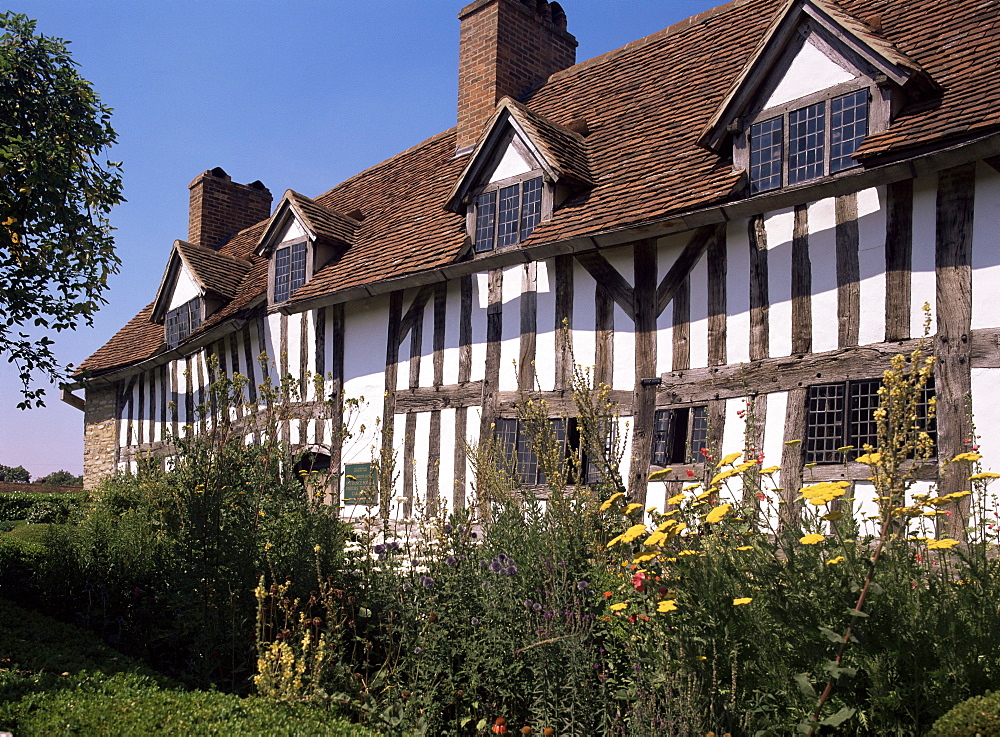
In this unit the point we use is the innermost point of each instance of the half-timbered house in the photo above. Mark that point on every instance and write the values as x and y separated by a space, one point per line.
746 209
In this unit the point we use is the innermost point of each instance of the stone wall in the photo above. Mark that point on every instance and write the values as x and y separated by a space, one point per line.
100 435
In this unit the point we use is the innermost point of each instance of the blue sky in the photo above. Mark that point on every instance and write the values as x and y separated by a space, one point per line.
300 94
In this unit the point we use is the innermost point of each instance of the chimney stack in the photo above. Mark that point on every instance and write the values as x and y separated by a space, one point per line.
507 48
220 207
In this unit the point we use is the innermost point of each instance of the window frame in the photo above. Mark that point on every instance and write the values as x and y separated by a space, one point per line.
272 268
195 302
569 437
519 180
848 421
691 453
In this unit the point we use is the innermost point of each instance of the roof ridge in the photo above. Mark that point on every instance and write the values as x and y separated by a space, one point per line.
213 251
647 40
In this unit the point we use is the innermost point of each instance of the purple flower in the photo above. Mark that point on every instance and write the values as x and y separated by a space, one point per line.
427 582
447 528
495 566
394 545
528 603
379 549
510 571
537 607
582 585
484 563
474 621
502 558
450 560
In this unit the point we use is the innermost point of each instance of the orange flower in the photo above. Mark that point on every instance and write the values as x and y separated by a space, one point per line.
607 594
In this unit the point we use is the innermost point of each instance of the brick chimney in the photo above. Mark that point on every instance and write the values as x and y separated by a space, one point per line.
507 47
221 207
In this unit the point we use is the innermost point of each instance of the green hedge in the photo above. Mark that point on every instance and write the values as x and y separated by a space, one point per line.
136 705
39 507
979 715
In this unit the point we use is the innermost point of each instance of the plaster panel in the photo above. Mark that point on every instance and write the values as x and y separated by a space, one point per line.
185 288
737 293
623 371
871 265
510 350
699 314
452 330
779 225
421 443
364 358
810 71
923 286
480 302
985 400
584 321
545 337
510 165
446 464
986 247
426 377
272 344
733 441
621 258
823 258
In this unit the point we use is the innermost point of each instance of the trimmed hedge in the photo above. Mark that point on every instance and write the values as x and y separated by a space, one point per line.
35 507
979 715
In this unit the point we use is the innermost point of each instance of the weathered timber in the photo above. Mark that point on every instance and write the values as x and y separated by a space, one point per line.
434 464
494 333
175 399
607 275
164 381
952 345
759 299
303 367
644 394
464 372
415 313
716 431
801 283
282 347
564 321
250 364
529 319
756 420
416 347
385 475
681 268
898 258
337 393
717 267
440 315
681 333
262 359
430 398
459 474
188 391
409 445
604 353
926 471
848 270
560 403
792 460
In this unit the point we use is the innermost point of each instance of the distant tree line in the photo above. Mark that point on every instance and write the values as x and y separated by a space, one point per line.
20 475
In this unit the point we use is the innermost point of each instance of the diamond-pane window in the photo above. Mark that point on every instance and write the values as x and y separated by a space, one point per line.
848 128
765 155
806 141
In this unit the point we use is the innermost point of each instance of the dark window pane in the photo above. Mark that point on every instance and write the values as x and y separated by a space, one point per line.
848 128
194 307
806 138
699 433
825 423
679 435
297 275
485 220
508 216
531 205
282 267
173 335
181 321
862 402
765 155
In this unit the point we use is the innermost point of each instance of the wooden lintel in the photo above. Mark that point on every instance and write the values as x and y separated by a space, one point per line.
678 272
560 403
791 372
429 398
607 276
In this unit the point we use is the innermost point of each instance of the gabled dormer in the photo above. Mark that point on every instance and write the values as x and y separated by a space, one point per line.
817 85
197 282
301 238
522 168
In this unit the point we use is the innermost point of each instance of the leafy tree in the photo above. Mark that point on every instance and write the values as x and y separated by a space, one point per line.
18 475
61 478
56 248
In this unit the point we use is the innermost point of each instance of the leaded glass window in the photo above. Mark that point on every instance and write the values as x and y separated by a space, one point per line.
505 216
679 435
806 141
289 270
765 155
848 128
182 321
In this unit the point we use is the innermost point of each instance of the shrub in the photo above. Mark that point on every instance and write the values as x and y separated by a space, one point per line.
40 507
975 717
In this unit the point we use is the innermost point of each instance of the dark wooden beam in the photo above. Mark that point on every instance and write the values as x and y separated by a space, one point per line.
759 299
415 311
801 283
644 393
607 275
679 270
848 270
564 321
898 259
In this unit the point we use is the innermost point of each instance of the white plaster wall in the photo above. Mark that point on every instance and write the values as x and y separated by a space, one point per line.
699 314
185 288
426 377
292 365
272 345
923 283
623 261
584 322
778 226
311 355
158 409
733 441
810 71
545 335
985 400
986 247
510 165
421 444
510 345
823 258
737 293
480 302
452 331
664 340
364 373
291 231
446 465
871 263
774 444
623 360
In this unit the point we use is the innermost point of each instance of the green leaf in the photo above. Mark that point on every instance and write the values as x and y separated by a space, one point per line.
831 635
856 613
805 685
839 718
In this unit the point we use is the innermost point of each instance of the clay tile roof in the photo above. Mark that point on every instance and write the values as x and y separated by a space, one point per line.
644 105
216 272
324 222
563 148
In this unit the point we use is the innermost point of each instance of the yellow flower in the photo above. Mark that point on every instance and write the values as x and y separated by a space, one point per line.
769 470
667 606
631 508
718 513
727 459
835 561
870 459
745 547
316 548
824 492
984 475
676 499
268 546
633 532
662 475
610 500
689 487
811 539
832 516
615 540
644 557
262 513
966 457
688 552
723 475
618 607
656 538
742 601
943 544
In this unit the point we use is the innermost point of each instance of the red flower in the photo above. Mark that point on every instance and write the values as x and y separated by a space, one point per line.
690 473
639 581
761 496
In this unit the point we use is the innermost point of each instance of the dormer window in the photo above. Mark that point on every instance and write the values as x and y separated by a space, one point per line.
507 212
182 321
808 141
289 269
